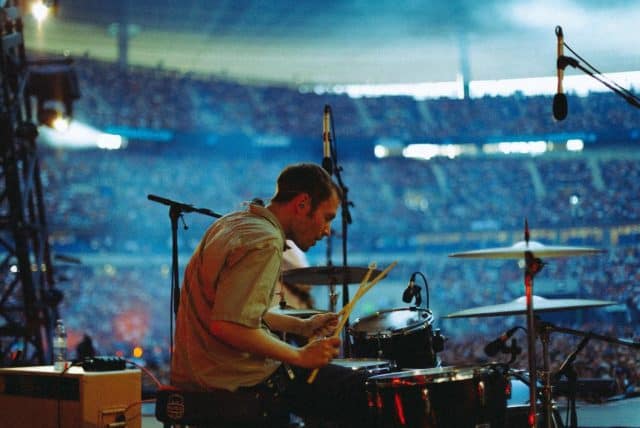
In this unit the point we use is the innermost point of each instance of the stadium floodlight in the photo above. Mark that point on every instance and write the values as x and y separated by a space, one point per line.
54 84
41 9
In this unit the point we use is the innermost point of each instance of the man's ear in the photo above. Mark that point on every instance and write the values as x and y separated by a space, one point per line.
302 201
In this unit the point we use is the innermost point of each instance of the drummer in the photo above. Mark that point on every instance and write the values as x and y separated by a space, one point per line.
224 338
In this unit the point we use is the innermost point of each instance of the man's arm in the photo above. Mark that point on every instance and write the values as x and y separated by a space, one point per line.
317 325
317 353
285 323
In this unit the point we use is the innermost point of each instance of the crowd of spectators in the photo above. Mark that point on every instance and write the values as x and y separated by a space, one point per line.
396 201
97 207
187 102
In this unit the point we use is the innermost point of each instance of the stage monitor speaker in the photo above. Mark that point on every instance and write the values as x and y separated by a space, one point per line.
39 397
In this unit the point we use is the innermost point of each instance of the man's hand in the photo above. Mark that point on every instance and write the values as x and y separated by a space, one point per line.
320 325
318 353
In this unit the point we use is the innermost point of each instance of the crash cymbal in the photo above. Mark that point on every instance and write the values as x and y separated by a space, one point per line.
517 250
327 275
299 313
519 306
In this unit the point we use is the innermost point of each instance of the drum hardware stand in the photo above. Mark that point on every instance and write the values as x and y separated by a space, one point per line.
533 266
545 374
333 298
437 345
176 209
545 329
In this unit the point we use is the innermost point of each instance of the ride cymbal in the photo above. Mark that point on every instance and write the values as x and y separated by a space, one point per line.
518 250
327 275
519 306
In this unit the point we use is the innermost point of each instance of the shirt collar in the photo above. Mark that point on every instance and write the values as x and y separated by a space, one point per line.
270 217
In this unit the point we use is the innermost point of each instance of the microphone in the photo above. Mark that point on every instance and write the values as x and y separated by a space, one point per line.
327 163
409 291
492 348
560 107
566 364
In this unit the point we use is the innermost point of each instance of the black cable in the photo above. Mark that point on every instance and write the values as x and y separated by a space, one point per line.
60 391
629 96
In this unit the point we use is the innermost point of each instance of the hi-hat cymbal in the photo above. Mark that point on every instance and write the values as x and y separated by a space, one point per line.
519 306
327 275
517 251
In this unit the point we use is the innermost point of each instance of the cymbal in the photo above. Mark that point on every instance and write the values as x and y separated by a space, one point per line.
517 250
327 275
519 306
299 313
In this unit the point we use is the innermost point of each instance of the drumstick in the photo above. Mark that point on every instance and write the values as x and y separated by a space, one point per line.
364 288
361 287
348 306
347 309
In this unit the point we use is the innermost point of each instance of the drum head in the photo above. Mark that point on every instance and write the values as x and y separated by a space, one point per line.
424 376
370 365
392 321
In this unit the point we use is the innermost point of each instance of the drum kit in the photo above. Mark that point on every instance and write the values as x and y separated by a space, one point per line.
398 348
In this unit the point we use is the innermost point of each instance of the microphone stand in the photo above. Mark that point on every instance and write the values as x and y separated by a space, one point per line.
546 328
176 209
567 369
563 61
346 220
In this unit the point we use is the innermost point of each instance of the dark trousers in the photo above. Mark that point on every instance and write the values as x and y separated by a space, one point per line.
336 398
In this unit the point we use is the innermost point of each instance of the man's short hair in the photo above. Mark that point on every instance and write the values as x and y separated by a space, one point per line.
305 178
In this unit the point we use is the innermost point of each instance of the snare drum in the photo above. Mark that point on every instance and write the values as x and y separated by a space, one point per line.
371 366
460 397
402 335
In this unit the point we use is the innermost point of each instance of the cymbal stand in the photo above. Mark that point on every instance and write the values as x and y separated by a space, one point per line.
533 266
546 377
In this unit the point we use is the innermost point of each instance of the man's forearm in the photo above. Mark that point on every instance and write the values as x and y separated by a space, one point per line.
255 340
285 323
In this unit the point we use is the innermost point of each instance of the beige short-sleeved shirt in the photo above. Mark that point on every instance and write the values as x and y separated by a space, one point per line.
231 277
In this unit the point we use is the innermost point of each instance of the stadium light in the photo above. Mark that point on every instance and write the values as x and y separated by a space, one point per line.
380 151
42 9
54 84
575 145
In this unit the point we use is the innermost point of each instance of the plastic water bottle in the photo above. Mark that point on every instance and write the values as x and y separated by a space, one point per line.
59 347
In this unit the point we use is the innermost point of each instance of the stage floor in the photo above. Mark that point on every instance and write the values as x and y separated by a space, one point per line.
623 413
614 413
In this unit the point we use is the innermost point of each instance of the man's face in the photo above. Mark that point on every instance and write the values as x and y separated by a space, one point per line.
310 227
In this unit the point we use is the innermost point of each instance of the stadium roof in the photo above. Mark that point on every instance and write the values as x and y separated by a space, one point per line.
349 41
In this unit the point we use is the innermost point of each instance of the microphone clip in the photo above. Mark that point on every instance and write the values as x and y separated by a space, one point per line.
563 61
412 292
